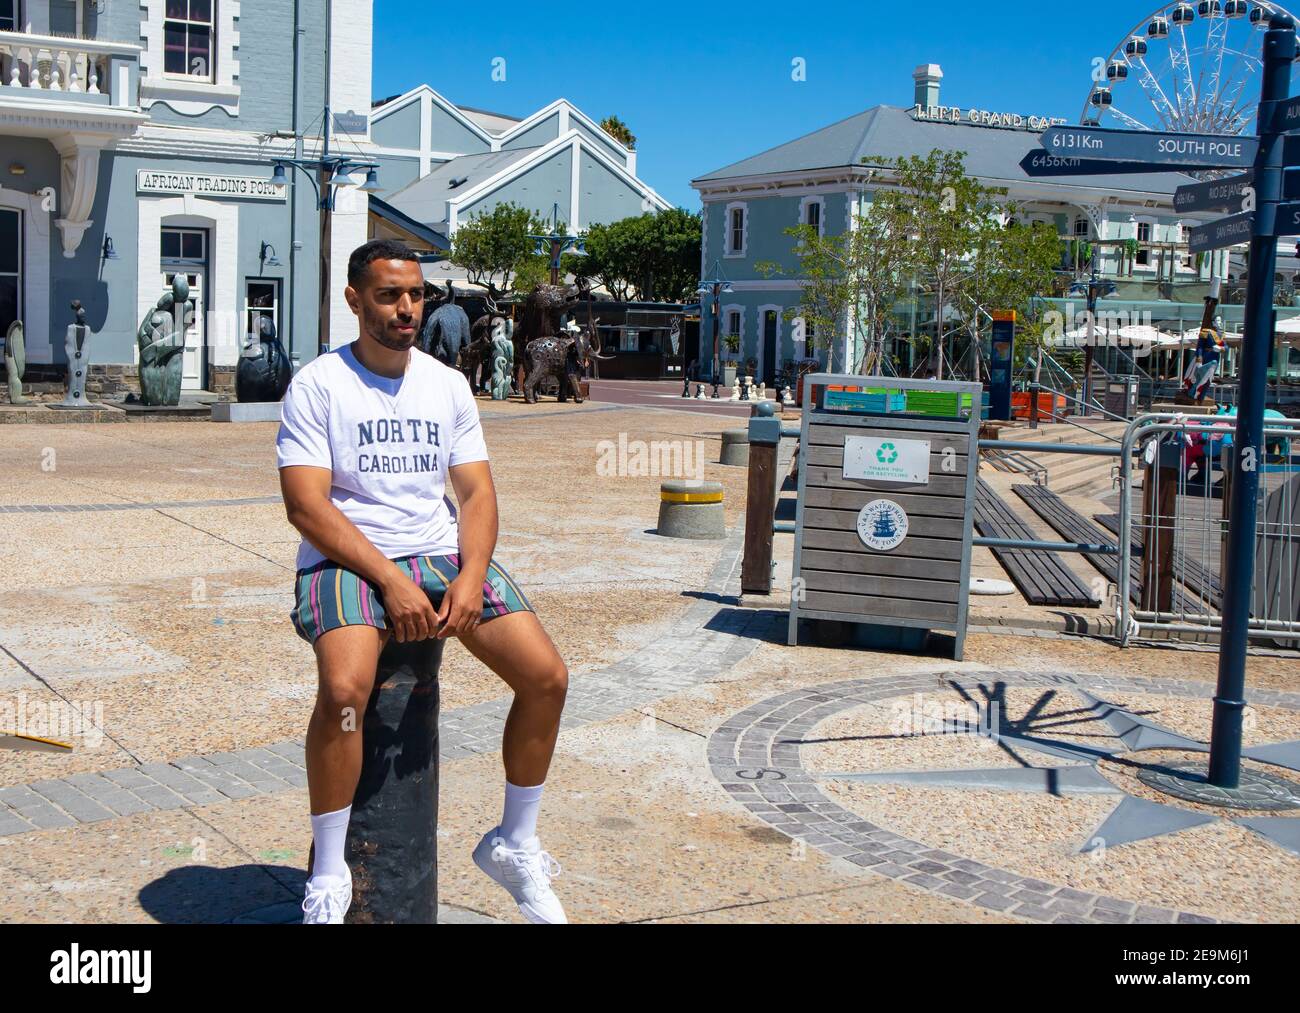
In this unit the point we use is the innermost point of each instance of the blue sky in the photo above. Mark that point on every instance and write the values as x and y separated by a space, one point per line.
704 85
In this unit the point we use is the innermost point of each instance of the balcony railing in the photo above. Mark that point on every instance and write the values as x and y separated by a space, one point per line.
68 69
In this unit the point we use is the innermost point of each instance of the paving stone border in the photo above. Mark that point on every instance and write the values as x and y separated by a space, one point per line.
755 757
79 508
711 636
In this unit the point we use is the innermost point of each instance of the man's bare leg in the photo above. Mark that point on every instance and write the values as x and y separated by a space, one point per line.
346 660
518 650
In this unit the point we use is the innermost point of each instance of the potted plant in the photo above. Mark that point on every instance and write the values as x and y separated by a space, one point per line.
732 344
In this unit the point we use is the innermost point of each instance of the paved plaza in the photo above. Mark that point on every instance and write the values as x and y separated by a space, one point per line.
705 770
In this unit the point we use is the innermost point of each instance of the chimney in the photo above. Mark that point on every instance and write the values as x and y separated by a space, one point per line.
927 78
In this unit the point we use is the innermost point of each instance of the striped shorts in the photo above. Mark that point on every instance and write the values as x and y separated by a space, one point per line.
329 596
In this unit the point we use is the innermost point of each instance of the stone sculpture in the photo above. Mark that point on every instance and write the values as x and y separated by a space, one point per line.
76 346
16 362
264 371
161 340
503 357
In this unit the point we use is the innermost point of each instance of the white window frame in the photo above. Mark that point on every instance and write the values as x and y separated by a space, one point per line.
188 94
728 252
212 25
807 202
17 274
18 24
1081 220
249 309
723 331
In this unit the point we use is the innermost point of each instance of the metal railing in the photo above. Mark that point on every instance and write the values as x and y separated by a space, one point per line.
1179 531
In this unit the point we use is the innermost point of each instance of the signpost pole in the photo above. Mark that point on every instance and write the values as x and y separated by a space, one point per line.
1225 742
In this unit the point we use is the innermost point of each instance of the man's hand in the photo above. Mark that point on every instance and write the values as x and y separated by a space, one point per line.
408 608
462 605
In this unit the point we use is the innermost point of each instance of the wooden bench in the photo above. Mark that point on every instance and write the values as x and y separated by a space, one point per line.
1203 583
1074 527
1042 577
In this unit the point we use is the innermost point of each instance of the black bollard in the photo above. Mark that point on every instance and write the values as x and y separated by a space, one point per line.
392 845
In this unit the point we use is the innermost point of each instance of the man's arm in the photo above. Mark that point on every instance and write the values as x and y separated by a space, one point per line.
462 606
306 494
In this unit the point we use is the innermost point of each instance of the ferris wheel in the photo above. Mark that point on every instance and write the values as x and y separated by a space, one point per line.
1185 68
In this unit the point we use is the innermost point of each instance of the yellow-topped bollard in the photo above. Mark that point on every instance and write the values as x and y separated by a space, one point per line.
691 510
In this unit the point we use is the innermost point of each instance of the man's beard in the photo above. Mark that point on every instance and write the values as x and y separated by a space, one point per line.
379 331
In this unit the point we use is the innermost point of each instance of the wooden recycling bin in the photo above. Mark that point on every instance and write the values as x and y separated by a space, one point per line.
883 525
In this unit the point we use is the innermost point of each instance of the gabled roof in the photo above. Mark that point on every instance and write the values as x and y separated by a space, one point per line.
426 199
403 221
887 131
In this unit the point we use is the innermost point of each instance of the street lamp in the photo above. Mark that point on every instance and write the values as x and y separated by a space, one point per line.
715 286
327 175
555 242
1093 289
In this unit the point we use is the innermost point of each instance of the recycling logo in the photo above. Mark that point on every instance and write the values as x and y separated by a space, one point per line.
887 454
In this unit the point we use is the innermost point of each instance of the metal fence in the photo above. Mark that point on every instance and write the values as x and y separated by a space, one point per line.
1172 530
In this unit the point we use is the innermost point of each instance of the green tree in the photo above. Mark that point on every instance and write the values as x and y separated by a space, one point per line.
946 211
1007 267
618 130
494 249
652 257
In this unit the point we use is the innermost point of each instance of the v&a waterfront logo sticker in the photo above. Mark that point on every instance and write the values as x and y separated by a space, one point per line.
882 525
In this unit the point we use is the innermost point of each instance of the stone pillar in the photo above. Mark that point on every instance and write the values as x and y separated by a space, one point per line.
392 844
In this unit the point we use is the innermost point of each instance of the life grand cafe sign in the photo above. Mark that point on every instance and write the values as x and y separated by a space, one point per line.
200 185
984 118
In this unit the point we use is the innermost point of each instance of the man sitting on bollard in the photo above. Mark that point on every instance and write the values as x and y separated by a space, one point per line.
370 433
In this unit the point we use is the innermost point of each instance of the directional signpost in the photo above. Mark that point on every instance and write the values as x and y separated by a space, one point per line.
1262 215
1041 163
1158 149
1216 195
1225 232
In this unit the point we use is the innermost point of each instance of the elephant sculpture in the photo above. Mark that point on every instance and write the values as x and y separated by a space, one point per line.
446 330
161 340
264 371
565 357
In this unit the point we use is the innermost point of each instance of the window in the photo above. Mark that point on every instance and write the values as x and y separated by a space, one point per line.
261 299
813 215
184 245
1144 232
1081 227
11 261
9 19
187 38
733 322
737 236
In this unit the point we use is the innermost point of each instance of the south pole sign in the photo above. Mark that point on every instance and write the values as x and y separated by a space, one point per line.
1151 146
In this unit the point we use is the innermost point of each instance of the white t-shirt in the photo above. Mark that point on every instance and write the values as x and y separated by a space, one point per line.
389 442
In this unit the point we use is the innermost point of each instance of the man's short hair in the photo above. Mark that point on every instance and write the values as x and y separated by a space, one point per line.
376 249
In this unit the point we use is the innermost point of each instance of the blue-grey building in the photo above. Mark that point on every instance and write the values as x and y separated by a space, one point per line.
827 178
137 140
442 164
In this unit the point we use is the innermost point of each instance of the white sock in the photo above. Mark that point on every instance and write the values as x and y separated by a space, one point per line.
519 822
330 833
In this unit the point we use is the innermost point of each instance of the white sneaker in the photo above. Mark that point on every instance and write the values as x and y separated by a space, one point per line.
526 874
328 899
